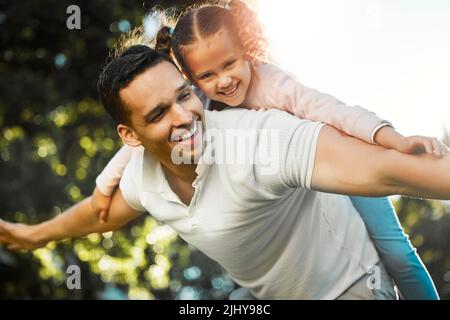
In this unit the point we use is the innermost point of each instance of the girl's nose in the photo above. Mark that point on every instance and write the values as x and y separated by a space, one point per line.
224 81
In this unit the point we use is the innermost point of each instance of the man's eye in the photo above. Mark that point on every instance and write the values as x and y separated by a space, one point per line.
185 96
158 116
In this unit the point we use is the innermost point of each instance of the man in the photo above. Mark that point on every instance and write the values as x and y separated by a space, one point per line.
266 228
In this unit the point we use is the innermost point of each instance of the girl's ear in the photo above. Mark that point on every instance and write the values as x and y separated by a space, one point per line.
128 136
256 63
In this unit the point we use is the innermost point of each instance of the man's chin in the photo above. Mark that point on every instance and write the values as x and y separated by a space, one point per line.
187 153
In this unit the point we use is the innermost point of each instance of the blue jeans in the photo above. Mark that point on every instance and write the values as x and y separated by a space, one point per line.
396 251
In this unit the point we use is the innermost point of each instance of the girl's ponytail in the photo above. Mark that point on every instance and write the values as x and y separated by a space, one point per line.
163 41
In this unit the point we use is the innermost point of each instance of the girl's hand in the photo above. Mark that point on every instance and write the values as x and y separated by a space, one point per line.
100 203
421 144
18 236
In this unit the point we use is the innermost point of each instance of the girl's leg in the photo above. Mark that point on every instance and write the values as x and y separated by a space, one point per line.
395 249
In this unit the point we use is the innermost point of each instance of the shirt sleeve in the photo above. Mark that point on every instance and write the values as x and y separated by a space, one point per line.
289 154
129 188
109 178
288 94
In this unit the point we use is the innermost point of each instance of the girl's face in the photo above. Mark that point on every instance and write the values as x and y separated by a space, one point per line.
219 68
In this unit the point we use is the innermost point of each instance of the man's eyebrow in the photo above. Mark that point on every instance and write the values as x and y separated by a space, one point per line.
163 105
182 87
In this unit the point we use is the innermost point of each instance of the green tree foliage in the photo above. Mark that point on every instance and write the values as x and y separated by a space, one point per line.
428 225
54 140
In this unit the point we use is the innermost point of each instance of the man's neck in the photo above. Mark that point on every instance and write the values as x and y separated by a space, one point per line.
180 179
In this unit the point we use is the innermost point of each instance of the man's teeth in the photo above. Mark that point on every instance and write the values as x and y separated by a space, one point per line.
188 134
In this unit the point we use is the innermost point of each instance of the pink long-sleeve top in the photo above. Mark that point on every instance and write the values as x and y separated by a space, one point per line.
272 87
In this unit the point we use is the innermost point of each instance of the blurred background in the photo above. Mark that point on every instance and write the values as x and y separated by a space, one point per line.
388 56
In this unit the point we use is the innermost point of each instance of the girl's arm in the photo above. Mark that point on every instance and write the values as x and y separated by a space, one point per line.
108 180
285 92
290 95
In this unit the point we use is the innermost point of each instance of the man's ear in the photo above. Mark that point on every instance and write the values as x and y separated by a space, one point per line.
128 136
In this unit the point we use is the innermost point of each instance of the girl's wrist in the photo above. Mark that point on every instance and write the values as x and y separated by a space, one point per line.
388 138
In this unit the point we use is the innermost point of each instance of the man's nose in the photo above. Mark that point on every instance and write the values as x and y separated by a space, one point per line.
224 81
181 116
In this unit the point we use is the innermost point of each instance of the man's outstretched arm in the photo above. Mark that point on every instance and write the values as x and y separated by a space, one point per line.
350 166
77 221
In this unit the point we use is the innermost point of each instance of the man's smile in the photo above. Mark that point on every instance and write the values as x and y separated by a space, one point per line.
185 135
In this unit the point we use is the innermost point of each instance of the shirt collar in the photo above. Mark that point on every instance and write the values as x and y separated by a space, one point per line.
154 179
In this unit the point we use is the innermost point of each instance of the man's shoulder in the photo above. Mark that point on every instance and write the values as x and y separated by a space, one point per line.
131 180
134 167
232 117
137 156
241 118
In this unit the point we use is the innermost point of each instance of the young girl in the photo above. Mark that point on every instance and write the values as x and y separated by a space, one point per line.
222 50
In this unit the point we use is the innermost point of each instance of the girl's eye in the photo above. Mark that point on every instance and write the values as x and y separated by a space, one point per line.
229 63
205 76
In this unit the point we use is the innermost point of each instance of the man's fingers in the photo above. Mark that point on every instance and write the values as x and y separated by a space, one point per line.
14 247
5 224
4 229
2 224
6 237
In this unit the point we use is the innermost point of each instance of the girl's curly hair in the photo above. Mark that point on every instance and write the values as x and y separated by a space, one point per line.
198 22
249 30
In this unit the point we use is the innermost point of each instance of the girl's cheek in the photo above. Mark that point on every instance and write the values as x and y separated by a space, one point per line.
207 89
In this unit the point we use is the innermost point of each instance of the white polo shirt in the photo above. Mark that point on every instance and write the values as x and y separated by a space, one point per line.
265 228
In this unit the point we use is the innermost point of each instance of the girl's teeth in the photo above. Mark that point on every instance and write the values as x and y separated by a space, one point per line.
231 91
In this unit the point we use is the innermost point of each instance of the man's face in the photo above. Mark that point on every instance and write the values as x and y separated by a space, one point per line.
165 112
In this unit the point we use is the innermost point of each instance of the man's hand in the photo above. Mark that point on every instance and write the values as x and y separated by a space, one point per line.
101 203
77 221
20 236
421 144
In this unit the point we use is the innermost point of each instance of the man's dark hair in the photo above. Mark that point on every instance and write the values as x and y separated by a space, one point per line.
119 72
